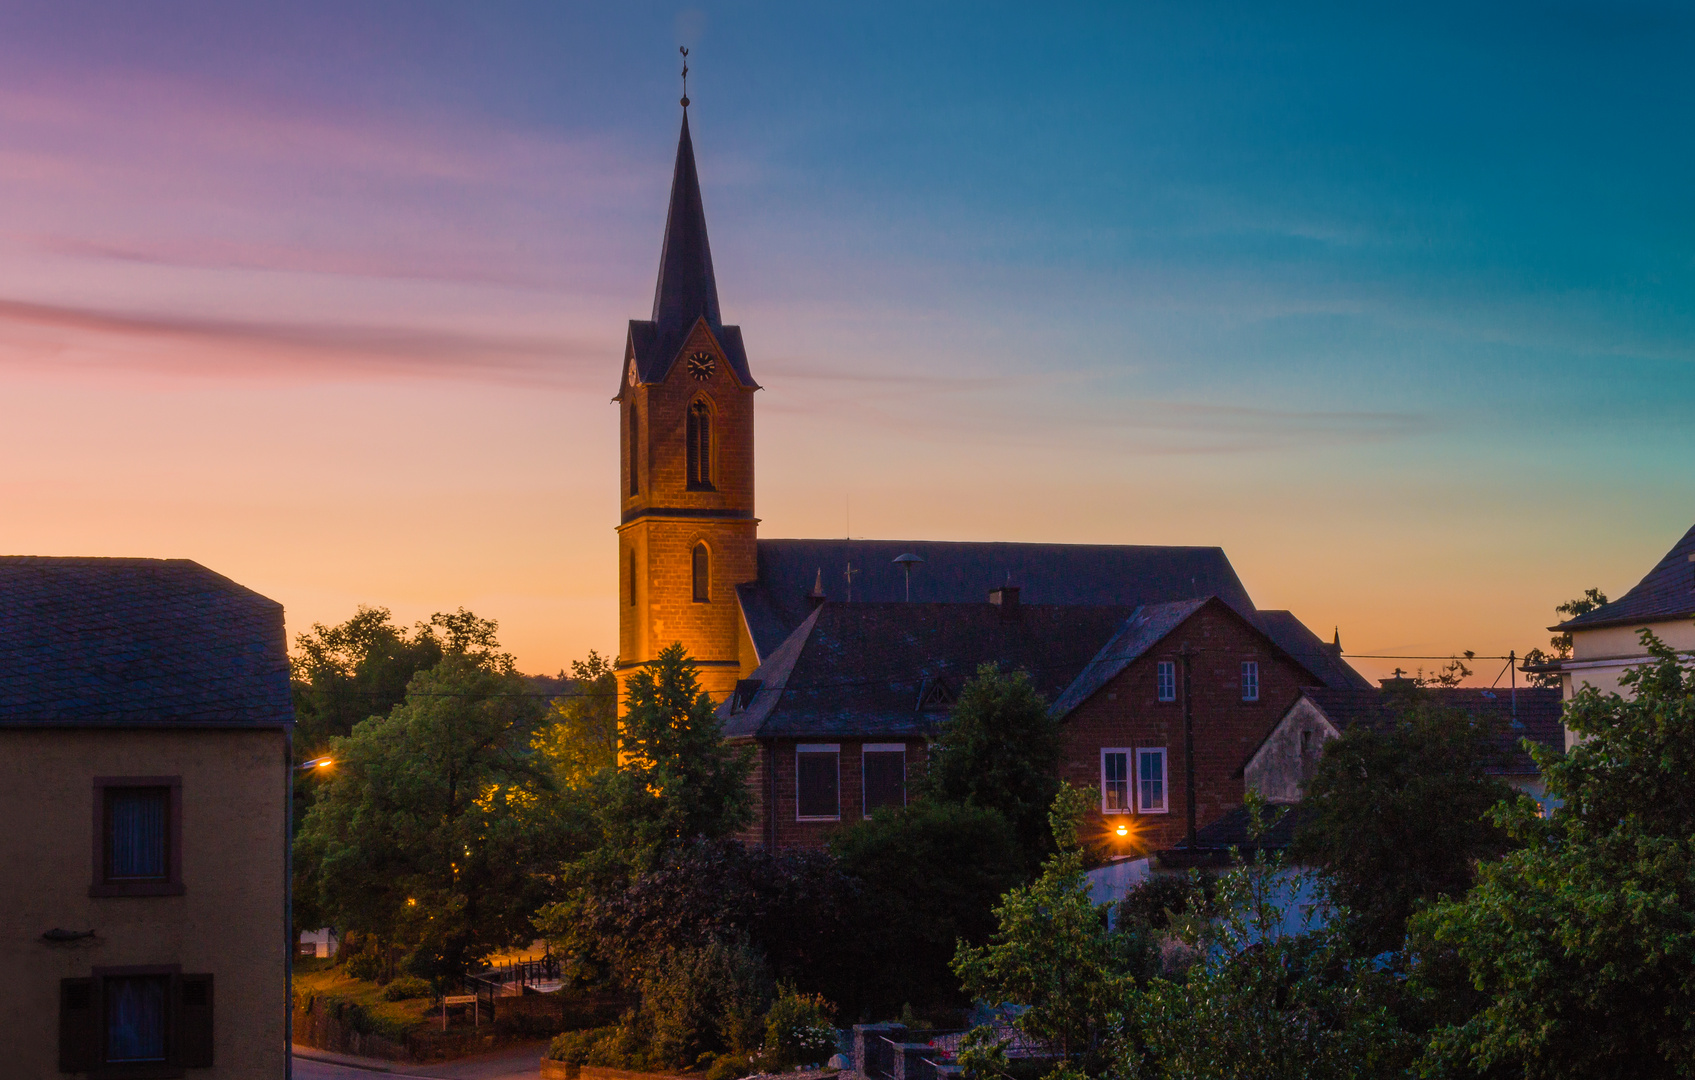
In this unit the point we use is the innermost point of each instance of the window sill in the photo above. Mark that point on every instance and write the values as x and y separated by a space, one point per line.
838 817
136 888
136 1072
1151 812
1104 810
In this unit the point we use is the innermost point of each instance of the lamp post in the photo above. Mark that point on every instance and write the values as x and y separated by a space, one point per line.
906 563
1185 655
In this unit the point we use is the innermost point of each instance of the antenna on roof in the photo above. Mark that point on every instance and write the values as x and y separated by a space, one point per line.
684 50
849 575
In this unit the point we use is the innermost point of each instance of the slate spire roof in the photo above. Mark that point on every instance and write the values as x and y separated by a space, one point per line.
686 290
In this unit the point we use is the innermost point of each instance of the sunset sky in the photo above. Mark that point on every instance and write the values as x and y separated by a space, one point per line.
1398 309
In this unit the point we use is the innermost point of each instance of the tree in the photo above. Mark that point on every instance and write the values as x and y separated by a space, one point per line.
999 750
928 877
1396 815
676 781
1260 1002
432 830
1583 939
1052 953
582 740
1561 642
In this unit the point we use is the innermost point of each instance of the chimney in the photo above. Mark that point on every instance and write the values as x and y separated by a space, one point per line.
1006 598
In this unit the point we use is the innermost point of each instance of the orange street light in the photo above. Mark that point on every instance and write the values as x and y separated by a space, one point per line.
315 763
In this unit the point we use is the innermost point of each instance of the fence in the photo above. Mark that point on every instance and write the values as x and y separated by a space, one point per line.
531 974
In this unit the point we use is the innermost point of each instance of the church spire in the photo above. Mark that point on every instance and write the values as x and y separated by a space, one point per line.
686 289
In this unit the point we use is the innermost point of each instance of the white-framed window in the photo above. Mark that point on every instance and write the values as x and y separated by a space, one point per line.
1115 780
1151 793
1167 674
1250 680
883 775
818 782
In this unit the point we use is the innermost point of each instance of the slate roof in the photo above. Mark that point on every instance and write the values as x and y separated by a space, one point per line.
1145 628
122 641
1096 575
1538 713
1668 592
1312 652
1235 829
687 289
860 670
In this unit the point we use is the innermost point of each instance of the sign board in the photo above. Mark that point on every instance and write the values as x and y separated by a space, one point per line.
459 999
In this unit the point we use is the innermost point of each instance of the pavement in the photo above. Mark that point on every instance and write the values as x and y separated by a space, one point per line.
522 1062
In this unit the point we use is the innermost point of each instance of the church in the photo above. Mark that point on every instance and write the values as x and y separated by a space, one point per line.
834 660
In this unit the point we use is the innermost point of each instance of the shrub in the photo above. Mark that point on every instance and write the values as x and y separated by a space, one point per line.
732 1066
406 988
587 1047
365 965
705 1001
798 1030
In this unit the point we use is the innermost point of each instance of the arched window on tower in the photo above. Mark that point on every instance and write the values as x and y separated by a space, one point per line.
632 577
702 575
635 449
700 447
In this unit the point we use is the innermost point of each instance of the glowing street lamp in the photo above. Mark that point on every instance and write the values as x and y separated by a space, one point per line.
315 763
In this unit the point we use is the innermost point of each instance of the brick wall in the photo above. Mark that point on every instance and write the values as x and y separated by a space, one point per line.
664 522
792 832
1127 713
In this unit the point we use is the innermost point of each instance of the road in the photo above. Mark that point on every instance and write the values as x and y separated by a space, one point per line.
513 1063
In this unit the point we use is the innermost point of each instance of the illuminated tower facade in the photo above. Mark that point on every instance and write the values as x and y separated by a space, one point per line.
686 534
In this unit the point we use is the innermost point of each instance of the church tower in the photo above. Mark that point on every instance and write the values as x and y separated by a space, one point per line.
686 533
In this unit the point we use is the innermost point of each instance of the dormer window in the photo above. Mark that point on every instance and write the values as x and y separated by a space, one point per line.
700 447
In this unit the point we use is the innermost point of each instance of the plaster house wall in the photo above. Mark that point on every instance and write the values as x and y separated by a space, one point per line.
1280 769
230 921
1601 655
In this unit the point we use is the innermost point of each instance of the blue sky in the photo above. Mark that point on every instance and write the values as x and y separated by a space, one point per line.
1393 305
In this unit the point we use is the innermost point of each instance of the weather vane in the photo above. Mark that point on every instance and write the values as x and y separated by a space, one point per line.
685 51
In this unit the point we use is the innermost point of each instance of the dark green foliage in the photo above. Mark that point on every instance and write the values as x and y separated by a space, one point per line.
1583 939
582 742
406 988
676 780
1396 817
1155 902
999 750
366 964
796 907
930 876
432 829
702 1001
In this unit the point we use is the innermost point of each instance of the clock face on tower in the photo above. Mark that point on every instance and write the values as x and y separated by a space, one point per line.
701 366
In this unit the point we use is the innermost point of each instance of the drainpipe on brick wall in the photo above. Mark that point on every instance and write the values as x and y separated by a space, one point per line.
771 794
1188 743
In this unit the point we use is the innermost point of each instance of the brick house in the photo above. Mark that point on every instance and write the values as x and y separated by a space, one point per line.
145 775
833 660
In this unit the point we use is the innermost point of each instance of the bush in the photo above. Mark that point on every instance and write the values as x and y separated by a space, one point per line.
365 965
798 1030
705 1001
588 1047
406 988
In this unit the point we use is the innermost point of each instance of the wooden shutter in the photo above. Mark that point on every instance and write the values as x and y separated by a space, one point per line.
79 1028
194 1021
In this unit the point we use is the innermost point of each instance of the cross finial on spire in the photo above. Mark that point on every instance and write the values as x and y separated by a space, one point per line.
685 51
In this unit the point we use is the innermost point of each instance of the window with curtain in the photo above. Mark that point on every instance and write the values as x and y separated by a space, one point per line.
1150 781
1115 781
136 1018
818 781
702 575
699 437
137 834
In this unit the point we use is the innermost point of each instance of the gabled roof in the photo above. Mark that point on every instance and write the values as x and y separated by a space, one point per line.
859 670
1316 655
687 290
1124 576
1144 629
137 641
1668 592
1537 713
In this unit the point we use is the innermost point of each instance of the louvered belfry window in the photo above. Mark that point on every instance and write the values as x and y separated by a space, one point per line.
700 447
635 448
